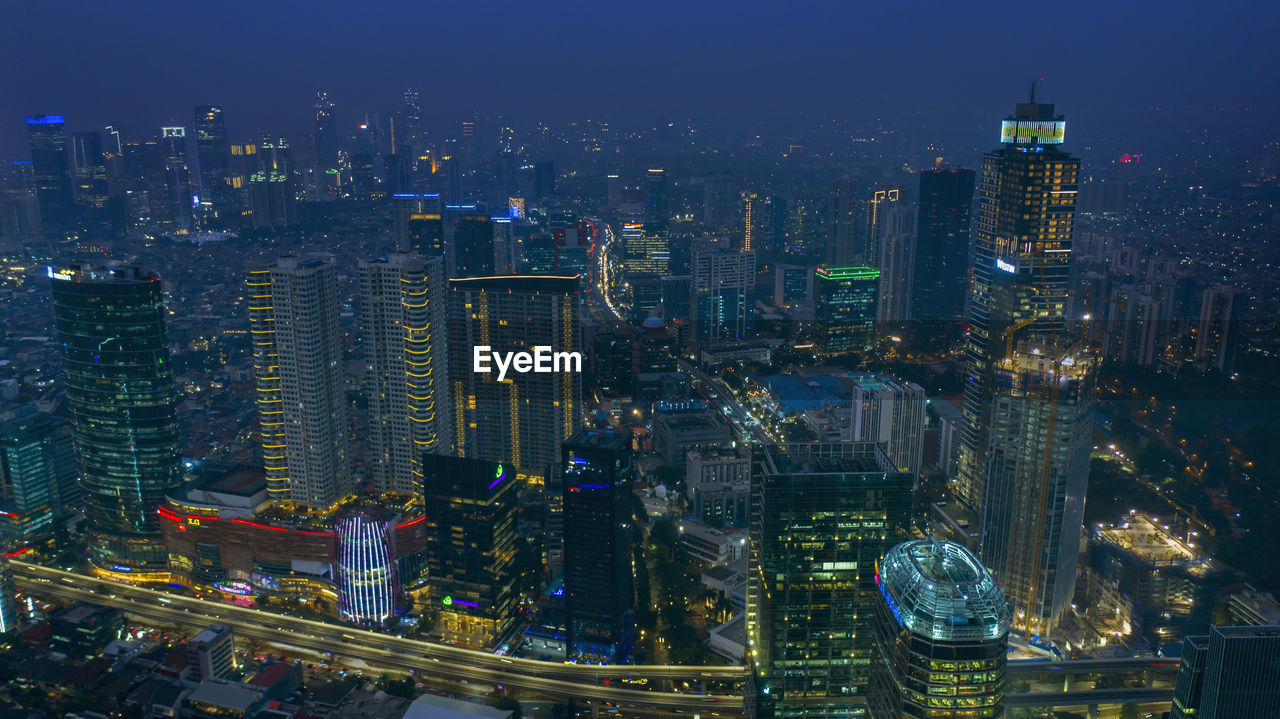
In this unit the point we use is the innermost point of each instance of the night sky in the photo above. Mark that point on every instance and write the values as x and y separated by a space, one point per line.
142 63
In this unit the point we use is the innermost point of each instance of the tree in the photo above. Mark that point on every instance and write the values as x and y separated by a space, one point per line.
517 711
1130 711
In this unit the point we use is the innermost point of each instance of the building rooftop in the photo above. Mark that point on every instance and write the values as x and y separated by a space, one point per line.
940 590
842 458
1149 540
430 706
227 695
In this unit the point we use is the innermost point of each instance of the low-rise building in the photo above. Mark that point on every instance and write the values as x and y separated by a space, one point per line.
708 544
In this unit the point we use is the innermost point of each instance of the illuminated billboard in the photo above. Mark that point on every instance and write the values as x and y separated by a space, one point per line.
1026 132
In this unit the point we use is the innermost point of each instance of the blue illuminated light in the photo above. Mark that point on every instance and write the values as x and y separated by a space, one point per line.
45 120
593 486
1006 266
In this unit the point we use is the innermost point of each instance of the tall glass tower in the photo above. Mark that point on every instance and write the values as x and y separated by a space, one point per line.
115 356
1021 259
213 154
48 137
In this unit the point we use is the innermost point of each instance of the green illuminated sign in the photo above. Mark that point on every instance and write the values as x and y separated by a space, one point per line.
848 273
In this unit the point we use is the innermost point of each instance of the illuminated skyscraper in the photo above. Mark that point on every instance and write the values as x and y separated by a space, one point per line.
942 632
470 509
213 154
1021 260
48 138
326 133
115 356
657 203
845 303
174 209
302 398
873 223
521 420
941 264
402 313
38 475
822 516
724 281
599 579
897 247
364 568
1037 468
271 195
418 224
1229 673
89 171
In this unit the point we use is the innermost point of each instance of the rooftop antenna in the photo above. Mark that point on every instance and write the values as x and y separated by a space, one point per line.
1033 92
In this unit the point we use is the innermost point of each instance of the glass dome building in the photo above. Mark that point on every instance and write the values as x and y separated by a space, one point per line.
942 628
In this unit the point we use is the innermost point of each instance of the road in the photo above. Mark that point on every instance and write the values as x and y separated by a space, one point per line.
723 398
615 684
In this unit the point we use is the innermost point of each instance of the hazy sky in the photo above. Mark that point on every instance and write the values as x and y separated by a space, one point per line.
144 62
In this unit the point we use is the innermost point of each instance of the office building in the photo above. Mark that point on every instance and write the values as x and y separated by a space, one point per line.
878 204
272 201
599 579
520 420
844 225
657 205
213 155
298 367
418 223
941 633
1037 468
1021 261
896 241
845 308
724 281
792 285
644 252
38 481
472 244
326 135
47 135
940 270
115 357
364 568
1233 672
211 654
172 208
402 309
680 428
89 176
891 413
822 516
470 510
716 466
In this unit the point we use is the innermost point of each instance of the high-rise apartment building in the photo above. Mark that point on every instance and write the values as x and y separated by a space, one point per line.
822 516
402 312
115 356
1043 396
845 308
302 399
213 155
1021 261
521 419
890 413
1220 328
47 135
940 273
942 633
599 579
896 240
471 513
724 281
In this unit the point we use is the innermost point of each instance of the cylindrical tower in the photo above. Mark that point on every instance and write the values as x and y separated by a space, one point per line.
365 568
115 357
942 630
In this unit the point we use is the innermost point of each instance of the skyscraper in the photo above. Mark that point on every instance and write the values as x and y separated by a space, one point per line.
38 471
473 244
173 210
878 204
402 314
724 281
1037 468
115 356
657 203
599 579
326 134
48 137
942 633
822 516
1021 260
845 305
418 223
271 196
89 171
1232 672
213 154
941 263
897 247
521 420
470 509
302 399
1220 328
890 413
843 224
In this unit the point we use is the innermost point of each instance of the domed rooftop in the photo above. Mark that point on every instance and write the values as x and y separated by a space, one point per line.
940 590
653 323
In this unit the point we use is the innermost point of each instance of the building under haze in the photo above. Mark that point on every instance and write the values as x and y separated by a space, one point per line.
822 516
521 419
402 312
418 224
47 135
213 155
301 391
942 633
115 357
941 260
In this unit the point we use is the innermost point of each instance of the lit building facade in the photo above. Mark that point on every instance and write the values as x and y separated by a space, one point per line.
845 308
173 209
470 510
366 573
1036 474
402 304
418 223
297 357
1021 262
38 475
521 420
115 356
724 281
272 201
213 154
942 634
822 516
599 579
1231 672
